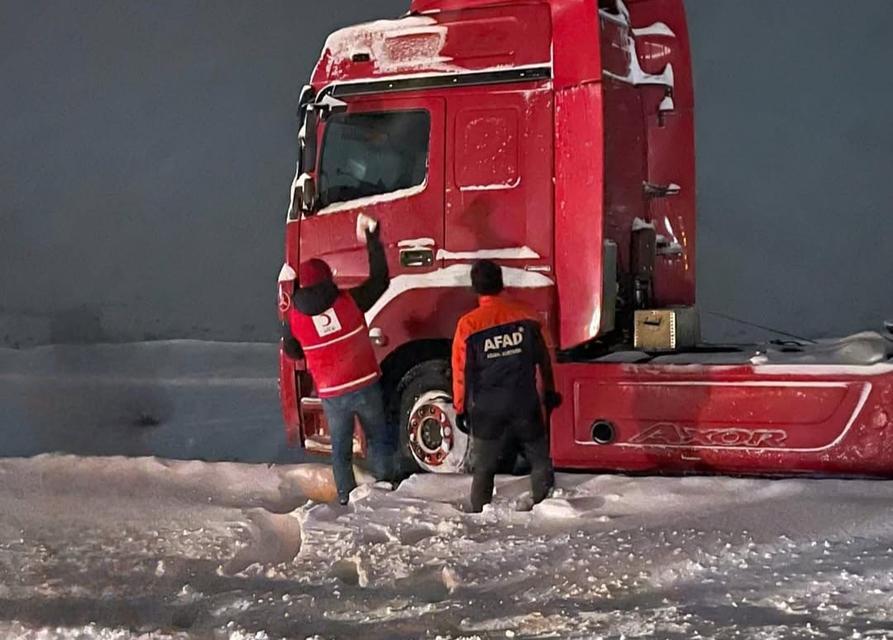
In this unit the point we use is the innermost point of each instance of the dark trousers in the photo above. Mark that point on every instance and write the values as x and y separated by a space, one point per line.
367 405
488 455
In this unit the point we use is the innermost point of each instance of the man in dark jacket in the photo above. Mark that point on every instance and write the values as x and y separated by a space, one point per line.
326 327
496 352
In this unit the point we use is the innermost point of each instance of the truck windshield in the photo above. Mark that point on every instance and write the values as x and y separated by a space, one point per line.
370 154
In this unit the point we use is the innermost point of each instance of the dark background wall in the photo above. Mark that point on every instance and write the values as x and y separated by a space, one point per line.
795 161
145 157
147 147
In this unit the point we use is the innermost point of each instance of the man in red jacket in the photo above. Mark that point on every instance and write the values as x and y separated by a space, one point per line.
326 327
497 350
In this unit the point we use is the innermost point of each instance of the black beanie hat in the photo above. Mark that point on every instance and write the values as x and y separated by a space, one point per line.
486 278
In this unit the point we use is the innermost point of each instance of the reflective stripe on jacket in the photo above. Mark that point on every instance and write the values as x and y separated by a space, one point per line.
337 347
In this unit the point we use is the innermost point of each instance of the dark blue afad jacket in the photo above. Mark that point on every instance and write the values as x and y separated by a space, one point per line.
496 352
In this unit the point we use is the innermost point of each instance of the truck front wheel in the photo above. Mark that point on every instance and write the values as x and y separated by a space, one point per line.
429 438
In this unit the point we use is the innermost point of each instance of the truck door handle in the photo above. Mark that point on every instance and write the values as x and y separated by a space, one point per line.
417 257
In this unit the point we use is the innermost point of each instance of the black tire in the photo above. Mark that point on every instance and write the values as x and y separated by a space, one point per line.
427 376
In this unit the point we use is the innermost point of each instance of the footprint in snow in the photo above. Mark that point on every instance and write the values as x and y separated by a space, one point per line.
571 508
412 535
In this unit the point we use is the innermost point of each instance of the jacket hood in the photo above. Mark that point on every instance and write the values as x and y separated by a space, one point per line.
315 299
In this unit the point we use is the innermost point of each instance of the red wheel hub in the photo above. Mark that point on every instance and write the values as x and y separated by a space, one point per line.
430 434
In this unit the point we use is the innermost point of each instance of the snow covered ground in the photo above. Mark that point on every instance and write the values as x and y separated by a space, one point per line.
124 548
119 548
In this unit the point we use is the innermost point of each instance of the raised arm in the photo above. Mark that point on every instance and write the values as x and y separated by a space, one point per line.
368 293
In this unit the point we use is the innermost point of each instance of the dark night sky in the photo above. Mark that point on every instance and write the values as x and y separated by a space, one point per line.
147 148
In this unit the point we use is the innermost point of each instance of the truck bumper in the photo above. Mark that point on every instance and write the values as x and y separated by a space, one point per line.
302 413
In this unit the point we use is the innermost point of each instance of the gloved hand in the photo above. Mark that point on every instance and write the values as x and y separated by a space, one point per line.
552 400
373 234
367 227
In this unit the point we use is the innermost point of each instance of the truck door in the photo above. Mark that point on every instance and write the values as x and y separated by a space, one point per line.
499 182
384 158
499 187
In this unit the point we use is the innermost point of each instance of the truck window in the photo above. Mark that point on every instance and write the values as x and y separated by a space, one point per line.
487 149
370 154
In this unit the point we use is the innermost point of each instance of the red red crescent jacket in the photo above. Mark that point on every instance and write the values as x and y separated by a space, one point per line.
326 327
337 347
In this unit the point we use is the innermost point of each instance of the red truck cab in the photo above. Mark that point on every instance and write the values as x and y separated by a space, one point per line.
557 138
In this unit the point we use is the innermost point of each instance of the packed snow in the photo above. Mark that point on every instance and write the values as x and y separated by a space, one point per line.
509 253
147 548
497 186
454 276
371 201
144 547
416 243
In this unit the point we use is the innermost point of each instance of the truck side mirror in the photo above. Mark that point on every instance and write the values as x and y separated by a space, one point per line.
307 195
303 196
307 140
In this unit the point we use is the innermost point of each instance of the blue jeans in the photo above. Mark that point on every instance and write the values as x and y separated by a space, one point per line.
367 405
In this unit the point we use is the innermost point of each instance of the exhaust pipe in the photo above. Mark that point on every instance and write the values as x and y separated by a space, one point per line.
603 432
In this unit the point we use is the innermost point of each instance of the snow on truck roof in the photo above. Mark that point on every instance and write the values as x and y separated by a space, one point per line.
437 44
554 38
